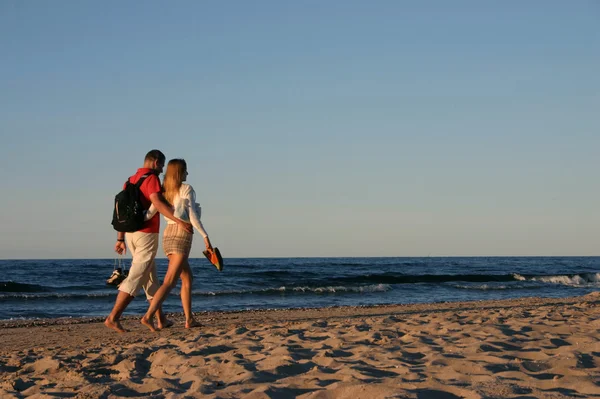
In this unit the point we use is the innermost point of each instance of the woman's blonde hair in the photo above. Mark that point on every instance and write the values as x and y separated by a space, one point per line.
176 169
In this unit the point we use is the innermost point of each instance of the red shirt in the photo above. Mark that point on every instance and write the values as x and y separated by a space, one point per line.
150 186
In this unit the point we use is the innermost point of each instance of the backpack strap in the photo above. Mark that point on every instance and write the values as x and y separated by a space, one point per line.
139 182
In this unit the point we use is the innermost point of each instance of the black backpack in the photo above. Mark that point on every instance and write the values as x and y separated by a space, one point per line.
128 214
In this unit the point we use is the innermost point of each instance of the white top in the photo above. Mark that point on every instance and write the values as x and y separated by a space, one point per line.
185 208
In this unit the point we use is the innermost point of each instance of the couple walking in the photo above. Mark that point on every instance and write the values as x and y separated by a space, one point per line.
177 202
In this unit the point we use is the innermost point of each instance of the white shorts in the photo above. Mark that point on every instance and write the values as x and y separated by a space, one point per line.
142 273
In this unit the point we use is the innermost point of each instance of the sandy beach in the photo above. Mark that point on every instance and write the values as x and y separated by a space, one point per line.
525 348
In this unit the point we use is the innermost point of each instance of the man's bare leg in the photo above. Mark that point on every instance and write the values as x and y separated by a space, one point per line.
113 319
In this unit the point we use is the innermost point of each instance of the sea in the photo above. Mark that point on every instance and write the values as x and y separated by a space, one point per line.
69 288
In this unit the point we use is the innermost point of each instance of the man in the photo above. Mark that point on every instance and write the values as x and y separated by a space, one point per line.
143 244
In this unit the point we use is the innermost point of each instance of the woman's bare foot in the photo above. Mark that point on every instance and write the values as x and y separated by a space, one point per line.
148 323
164 323
192 323
115 325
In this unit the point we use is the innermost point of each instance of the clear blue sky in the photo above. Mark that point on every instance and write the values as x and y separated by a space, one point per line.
311 128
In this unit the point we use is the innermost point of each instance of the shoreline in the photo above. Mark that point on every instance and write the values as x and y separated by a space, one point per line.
297 311
537 347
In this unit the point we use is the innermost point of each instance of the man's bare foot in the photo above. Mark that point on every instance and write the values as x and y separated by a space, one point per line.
192 323
115 325
148 323
164 323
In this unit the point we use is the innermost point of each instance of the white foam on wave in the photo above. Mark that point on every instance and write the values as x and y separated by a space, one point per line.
53 295
305 289
331 289
585 279
482 287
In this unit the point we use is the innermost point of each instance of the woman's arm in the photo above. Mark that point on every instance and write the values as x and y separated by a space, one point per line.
194 212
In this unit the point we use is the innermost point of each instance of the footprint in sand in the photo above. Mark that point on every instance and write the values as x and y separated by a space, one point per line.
585 361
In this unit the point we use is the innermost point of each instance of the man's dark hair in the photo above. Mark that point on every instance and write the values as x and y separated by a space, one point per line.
155 155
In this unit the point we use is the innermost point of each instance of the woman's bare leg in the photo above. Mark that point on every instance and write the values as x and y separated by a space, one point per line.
176 262
187 279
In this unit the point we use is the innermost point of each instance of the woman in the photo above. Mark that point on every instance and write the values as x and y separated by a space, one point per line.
177 242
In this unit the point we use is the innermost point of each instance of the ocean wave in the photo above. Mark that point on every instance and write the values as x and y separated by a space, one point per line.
584 279
11 286
493 287
300 290
481 287
53 295
14 287
10 290
46 296
398 278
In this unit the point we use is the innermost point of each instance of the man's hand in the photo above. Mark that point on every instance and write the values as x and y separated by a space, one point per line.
160 203
186 226
120 247
207 243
